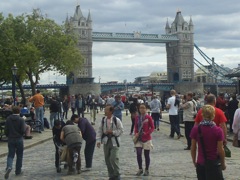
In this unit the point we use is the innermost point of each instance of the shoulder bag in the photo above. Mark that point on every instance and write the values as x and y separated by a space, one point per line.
139 137
213 169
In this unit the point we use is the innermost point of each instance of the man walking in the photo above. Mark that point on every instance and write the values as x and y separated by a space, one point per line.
172 105
14 130
89 135
54 109
118 107
109 131
38 101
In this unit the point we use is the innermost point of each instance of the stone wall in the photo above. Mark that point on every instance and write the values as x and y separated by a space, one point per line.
85 89
184 87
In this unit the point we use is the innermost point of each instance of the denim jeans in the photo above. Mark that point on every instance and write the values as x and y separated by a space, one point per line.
88 151
175 128
39 116
53 117
156 118
15 146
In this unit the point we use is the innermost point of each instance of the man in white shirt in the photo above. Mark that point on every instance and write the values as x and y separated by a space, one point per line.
172 105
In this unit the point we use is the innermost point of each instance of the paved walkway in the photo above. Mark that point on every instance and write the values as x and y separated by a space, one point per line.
168 159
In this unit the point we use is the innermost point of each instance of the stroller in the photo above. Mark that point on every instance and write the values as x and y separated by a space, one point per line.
62 153
60 149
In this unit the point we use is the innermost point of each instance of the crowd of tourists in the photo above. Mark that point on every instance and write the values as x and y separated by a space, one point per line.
205 129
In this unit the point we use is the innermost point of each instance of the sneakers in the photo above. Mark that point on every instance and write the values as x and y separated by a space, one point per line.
7 173
19 173
140 172
28 137
146 173
86 169
79 171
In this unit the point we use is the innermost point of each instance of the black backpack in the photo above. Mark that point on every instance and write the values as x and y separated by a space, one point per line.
103 135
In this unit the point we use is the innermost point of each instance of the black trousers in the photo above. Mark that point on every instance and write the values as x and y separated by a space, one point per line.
133 123
88 151
188 127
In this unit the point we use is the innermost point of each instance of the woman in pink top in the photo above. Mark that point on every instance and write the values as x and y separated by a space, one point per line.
212 146
143 129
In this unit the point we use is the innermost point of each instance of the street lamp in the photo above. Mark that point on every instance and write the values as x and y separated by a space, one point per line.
14 73
55 88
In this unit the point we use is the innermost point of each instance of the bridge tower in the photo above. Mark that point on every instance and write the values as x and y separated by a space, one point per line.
81 80
82 28
180 66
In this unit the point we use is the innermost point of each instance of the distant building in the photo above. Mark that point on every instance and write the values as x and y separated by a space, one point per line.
158 77
141 79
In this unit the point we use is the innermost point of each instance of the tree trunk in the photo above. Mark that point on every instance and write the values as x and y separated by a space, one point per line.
19 83
32 83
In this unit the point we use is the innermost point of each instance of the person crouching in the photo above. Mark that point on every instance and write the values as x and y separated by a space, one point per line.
72 136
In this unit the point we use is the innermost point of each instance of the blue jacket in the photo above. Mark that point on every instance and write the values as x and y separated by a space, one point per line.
118 107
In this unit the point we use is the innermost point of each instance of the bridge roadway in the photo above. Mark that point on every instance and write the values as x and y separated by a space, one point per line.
168 159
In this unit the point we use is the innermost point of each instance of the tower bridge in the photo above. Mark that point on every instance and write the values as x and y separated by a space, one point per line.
178 38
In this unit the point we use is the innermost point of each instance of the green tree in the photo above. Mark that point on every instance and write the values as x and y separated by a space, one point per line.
36 44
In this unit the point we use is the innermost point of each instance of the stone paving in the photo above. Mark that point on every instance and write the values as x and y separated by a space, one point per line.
168 159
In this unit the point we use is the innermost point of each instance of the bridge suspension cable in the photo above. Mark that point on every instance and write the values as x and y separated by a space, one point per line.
210 61
196 62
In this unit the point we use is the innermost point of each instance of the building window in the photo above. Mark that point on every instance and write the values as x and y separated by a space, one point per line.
204 79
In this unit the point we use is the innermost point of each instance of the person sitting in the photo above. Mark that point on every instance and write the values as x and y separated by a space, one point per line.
24 110
72 136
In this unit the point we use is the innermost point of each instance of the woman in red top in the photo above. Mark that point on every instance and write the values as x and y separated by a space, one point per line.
143 129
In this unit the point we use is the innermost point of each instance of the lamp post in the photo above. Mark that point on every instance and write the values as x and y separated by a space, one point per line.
14 73
55 89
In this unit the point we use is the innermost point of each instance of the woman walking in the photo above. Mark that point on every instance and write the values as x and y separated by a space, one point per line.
209 139
143 129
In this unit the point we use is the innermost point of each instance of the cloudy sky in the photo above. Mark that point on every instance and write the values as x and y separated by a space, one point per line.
216 23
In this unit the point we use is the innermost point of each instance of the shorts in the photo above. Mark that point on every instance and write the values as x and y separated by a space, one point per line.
145 145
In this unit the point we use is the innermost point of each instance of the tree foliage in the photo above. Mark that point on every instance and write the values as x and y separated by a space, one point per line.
36 44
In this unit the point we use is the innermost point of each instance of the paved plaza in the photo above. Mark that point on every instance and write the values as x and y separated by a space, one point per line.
168 159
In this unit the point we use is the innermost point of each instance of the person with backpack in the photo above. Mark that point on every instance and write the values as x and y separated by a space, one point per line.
109 134
189 112
172 105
